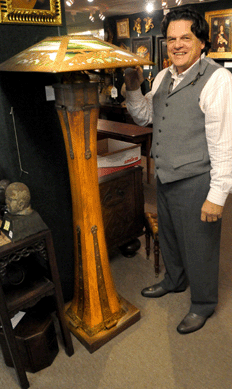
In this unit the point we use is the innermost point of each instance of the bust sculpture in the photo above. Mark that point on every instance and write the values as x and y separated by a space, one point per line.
20 220
17 199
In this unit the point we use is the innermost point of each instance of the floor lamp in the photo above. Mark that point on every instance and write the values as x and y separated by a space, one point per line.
96 313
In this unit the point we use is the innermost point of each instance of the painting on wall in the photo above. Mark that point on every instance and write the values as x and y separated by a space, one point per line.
163 60
45 12
123 28
220 30
143 47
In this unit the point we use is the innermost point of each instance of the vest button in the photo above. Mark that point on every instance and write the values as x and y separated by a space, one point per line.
157 156
157 144
163 117
166 104
157 167
159 130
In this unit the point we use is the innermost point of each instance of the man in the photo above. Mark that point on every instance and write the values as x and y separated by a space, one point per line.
190 106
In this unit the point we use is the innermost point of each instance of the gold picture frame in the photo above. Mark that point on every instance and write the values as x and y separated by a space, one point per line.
220 31
123 28
46 12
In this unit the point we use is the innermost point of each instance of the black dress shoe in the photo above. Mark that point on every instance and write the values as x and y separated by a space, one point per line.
191 322
158 291
154 291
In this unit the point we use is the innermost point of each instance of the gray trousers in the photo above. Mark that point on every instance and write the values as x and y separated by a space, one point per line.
190 248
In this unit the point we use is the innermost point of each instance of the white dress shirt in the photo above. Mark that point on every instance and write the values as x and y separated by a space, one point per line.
216 104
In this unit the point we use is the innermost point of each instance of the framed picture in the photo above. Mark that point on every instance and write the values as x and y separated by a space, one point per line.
143 47
123 28
220 30
163 61
45 12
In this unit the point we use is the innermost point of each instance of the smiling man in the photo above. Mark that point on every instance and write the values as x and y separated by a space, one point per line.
190 106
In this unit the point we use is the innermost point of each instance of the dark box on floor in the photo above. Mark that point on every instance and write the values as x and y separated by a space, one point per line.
36 339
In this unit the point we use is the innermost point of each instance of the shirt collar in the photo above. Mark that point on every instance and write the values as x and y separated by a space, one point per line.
174 73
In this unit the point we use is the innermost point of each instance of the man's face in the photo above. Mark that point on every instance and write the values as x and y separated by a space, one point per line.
184 48
12 203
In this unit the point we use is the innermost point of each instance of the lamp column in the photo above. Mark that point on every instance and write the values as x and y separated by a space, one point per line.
97 313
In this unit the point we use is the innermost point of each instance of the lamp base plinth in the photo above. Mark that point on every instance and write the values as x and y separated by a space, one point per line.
93 343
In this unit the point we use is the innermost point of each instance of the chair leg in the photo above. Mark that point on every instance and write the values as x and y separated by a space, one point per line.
156 256
147 234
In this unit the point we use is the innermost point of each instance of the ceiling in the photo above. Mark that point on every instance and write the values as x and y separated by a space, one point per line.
121 7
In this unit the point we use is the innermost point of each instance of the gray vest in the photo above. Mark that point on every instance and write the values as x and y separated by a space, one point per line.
179 144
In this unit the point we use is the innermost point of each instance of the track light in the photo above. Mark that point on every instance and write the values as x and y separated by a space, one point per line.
101 16
69 2
178 2
164 4
91 17
149 7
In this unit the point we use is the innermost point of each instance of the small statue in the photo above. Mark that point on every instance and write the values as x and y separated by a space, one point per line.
137 26
20 220
149 24
150 78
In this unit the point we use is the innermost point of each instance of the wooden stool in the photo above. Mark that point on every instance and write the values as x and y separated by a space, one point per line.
151 225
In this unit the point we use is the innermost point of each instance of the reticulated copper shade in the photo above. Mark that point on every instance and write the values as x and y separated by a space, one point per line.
71 53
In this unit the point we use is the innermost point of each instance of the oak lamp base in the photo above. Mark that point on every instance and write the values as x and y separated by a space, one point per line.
93 343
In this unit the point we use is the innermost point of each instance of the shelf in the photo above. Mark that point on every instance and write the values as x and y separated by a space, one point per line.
27 295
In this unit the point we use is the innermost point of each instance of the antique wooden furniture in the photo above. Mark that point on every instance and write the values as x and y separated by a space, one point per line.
96 313
36 340
122 202
151 225
127 132
113 112
13 300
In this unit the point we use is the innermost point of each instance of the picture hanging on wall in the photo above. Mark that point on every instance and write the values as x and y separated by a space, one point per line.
143 47
44 12
163 60
123 29
220 33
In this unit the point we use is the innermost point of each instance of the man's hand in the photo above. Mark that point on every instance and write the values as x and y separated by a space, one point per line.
133 78
211 212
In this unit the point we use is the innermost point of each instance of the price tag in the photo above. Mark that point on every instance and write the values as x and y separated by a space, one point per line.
114 92
6 225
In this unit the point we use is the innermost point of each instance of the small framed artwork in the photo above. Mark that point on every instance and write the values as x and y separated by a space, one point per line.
220 32
46 12
163 59
143 47
123 28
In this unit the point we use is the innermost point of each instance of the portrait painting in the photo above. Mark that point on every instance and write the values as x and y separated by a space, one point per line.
143 47
220 28
162 53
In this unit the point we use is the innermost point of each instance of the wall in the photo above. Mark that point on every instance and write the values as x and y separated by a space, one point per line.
110 27
40 142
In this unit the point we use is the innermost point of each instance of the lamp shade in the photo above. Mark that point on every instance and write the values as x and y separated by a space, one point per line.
70 53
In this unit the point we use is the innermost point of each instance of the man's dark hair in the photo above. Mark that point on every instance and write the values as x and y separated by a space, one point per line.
200 27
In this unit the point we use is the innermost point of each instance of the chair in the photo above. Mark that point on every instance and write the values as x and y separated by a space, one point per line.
151 229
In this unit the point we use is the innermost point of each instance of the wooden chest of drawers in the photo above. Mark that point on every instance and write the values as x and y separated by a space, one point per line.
122 203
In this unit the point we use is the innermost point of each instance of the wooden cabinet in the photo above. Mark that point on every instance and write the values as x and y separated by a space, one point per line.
36 286
122 203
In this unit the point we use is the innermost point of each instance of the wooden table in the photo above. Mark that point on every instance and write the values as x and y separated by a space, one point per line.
127 132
